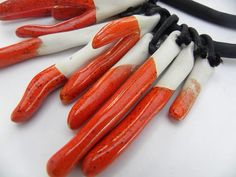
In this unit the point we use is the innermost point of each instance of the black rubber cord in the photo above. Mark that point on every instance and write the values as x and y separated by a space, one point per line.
225 49
204 12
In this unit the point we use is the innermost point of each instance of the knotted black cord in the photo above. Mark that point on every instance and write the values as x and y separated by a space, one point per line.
131 11
212 56
200 50
164 13
150 8
173 19
184 37
153 1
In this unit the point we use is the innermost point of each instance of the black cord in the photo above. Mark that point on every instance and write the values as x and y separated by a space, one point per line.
184 37
150 8
204 12
173 19
225 49
212 56
200 50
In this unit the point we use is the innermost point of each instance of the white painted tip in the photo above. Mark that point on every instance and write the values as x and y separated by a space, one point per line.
179 69
201 72
168 50
58 42
147 23
139 53
109 8
80 58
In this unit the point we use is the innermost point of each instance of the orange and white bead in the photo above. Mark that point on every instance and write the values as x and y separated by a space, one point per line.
108 149
108 84
38 88
135 26
112 111
98 11
201 73
47 44
47 81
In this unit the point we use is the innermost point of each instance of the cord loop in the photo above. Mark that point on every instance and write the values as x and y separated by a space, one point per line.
184 37
173 19
213 57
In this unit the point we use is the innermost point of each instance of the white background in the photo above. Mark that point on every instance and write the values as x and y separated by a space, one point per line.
204 145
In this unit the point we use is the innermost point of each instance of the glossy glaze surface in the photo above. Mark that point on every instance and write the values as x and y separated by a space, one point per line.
86 19
97 95
15 9
88 74
103 121
115 30
66 9
108 150
38 89
19 52
185 100
66 12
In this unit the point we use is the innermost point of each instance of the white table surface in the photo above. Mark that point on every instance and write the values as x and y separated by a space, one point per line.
204 145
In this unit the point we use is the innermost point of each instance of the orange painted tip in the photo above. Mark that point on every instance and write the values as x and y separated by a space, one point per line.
38 89
19 52
115 30
42 12
86 19
111 147
97 95
66 9
184 102
66 12
66 98
86 4
14 9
